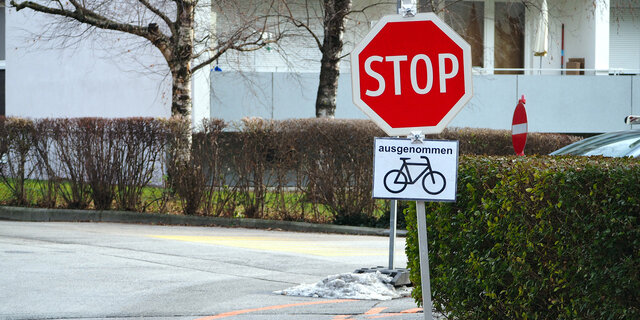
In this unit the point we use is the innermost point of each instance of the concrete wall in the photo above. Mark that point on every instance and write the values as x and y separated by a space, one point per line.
91 78
554 103
274 95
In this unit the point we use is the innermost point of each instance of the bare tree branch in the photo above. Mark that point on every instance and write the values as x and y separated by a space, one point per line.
160 14
300 24
238 42
83 15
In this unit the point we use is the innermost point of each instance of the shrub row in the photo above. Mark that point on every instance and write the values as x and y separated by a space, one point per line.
315 170
80 161
498 142
312 169
535 238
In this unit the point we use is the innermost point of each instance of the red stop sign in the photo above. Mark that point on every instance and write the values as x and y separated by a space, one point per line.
411 74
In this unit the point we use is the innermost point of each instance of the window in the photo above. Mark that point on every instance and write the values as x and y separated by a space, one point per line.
467 19
624 37
494 29
509 37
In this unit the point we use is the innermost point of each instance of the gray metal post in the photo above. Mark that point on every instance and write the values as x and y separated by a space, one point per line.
393 214
392 231
423 247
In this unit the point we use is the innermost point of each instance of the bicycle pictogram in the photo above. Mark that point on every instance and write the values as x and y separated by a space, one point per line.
396 180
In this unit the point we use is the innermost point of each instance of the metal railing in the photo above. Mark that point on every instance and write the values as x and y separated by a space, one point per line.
562 71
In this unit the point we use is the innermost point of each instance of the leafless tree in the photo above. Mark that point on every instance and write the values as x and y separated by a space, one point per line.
186 43
325 21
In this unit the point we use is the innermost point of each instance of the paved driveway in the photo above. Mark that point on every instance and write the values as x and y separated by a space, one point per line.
119 271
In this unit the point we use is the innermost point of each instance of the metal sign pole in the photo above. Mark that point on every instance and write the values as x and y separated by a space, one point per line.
424 260
392 231
393 218
394 203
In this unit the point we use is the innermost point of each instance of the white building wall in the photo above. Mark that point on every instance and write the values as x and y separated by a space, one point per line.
84 80
601 20
201 82
586 36
579 18
299 52
586 32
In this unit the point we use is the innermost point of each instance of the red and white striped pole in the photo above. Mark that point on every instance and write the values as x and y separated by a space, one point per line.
519 127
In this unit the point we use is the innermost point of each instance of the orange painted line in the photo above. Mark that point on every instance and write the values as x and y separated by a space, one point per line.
341 317
282 306
388 315
375 311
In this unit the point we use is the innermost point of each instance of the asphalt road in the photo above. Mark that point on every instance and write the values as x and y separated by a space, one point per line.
55 270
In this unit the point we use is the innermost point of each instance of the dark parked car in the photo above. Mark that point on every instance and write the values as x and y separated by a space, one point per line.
612 144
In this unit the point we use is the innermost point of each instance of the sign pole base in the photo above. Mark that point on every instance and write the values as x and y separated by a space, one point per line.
424 260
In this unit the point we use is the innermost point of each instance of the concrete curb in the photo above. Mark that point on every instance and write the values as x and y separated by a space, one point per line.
72 215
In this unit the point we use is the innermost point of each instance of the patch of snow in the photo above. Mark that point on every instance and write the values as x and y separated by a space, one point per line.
362 286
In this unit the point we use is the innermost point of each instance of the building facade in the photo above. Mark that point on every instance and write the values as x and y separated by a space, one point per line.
587 80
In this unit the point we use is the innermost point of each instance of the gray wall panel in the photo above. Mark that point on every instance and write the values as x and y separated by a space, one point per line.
576 103
554 103
635 97
238 95
494 98
294 95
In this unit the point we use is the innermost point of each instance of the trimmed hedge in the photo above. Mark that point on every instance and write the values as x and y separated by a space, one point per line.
315 170
535 238
103 162
498 142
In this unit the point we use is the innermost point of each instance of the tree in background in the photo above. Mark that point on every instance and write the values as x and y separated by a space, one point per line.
335 12
325 22
332 16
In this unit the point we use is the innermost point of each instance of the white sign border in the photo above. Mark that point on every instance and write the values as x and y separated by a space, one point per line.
468 75
455 197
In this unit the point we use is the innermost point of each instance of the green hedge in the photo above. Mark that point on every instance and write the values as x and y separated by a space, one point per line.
474 141
535 238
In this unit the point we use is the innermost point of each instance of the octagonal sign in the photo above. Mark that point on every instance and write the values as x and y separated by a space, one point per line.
411 74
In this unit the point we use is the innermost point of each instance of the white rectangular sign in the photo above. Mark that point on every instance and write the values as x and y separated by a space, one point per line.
418 170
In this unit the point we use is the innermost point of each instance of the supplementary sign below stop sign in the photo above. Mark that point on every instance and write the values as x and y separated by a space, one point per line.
411 74
415 170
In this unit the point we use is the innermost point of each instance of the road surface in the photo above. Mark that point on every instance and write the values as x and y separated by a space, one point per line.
122 271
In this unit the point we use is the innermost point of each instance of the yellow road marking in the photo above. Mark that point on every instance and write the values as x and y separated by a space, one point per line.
375 313
375 310
239 312
279 245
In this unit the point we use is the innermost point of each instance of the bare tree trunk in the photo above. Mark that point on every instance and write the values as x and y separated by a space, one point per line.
179 156
181 99
180 60
181 109
328 87
335 12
